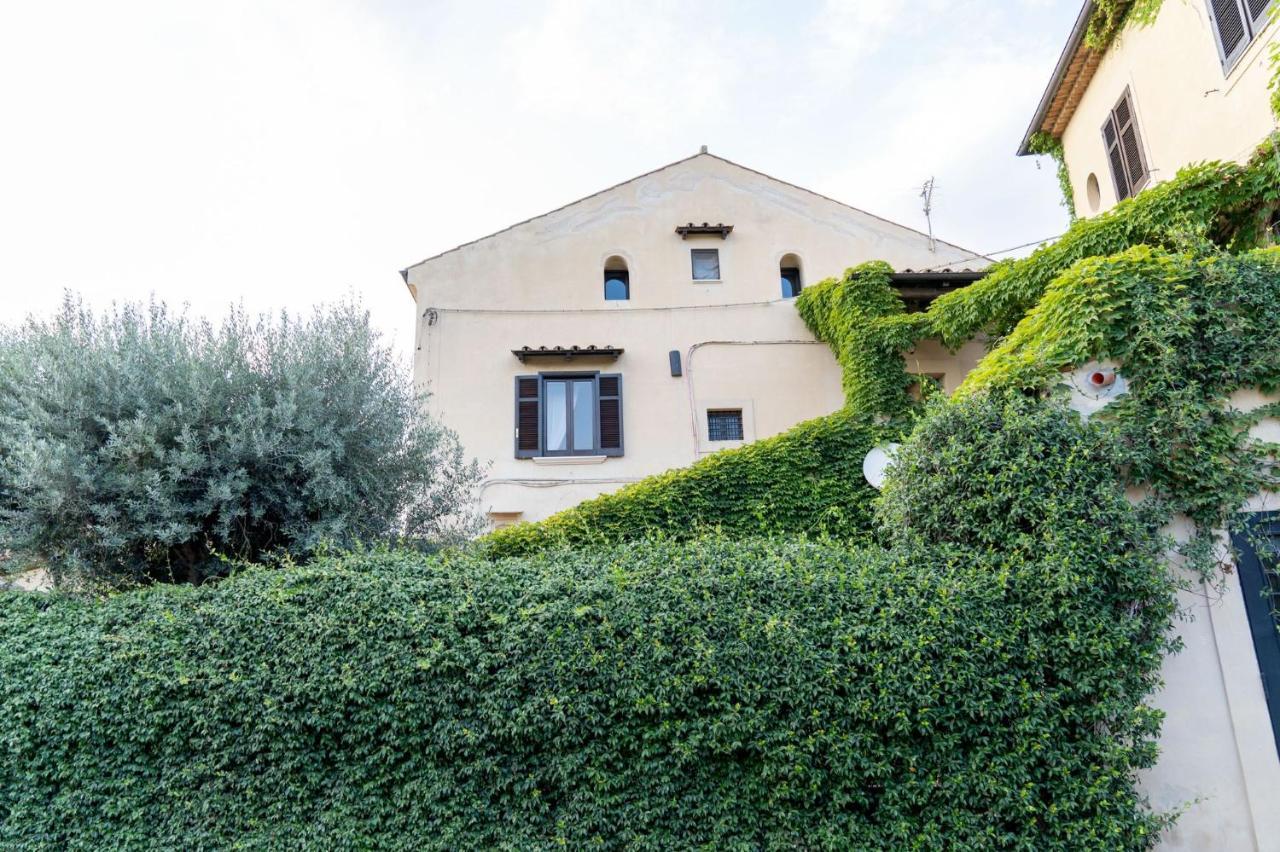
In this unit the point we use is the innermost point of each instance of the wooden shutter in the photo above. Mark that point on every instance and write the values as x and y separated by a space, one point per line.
1124 148
528 416
1130 143
1111 139
609 399
1229 24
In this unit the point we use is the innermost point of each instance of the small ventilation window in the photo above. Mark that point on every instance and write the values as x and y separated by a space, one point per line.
706 264
789 273
617 280
724 424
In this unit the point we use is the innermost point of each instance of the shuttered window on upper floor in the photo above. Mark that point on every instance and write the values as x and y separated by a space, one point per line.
1236 23
568 414
1124 148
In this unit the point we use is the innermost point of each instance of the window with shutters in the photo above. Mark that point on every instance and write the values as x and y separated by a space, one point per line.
1124 148
1258 546
568 414
1236 23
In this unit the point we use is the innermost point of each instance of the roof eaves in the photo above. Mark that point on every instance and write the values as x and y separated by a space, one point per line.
1074 41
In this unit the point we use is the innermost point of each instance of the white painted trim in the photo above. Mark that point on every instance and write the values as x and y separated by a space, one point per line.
569 459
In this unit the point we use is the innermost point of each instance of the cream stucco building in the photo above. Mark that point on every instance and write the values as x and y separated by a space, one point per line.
1192 86
646 326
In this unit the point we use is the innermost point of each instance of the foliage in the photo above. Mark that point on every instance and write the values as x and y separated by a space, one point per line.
1044 143
1110 17
845 313
1224 204
806 480
139 444
713 694
1190 330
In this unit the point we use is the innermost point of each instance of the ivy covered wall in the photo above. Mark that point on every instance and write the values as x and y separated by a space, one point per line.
1100 289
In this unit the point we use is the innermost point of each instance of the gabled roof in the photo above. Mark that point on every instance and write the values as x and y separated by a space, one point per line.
1071 76
404 273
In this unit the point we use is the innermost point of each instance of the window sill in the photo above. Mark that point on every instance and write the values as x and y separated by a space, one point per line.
569 459
708 280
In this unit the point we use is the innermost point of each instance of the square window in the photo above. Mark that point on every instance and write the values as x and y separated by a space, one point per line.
706 264
724 425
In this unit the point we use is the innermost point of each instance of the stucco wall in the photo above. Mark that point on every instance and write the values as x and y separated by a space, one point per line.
1218 765
741 344
1189 110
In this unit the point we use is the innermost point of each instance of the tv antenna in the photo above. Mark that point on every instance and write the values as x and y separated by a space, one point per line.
926 193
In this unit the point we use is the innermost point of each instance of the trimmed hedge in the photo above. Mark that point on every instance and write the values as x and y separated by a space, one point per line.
759 694
656 696
807 480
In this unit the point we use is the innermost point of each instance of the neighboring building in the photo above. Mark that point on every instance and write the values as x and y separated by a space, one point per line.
1189 87
646 326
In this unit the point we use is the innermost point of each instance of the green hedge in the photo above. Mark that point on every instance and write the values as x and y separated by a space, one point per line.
806 480
758 694
658 695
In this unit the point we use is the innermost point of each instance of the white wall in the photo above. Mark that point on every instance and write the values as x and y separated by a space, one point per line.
1218 762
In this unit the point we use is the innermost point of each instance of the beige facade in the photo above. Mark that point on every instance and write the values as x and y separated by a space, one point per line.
741 345
1189 104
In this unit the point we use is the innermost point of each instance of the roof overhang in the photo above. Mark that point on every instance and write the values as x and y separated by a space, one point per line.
1071 76
918 289
413 291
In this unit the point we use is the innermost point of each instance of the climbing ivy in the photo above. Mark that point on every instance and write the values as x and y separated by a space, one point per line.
1190 329
1110 17
1045 143
1221 205
848 314
807 480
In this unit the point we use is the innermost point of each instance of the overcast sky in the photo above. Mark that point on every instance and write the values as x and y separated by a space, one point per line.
288 153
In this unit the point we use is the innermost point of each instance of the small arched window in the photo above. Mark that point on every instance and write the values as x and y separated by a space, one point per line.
789 271
617 280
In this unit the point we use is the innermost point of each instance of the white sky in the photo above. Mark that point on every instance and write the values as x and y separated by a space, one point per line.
289 153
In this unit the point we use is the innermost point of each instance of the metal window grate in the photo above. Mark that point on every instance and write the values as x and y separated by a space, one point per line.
724 425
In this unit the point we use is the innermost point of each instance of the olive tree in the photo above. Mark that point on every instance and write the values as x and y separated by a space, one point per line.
142 444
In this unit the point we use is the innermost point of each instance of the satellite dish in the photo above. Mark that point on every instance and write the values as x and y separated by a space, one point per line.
876 464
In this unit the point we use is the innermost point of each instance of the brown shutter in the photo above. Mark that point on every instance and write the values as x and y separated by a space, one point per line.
609 398
1130 143
1111 139
1229 24
528 416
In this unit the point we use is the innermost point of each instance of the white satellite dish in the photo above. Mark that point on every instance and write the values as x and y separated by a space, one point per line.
876 464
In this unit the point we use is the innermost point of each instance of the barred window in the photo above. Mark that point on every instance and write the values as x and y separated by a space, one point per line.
724 425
